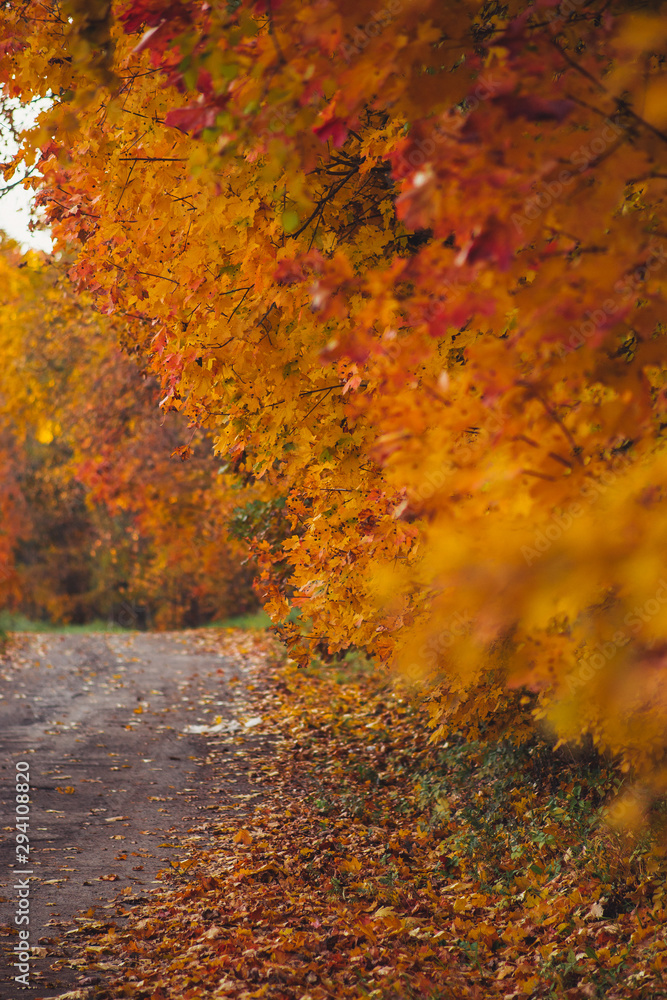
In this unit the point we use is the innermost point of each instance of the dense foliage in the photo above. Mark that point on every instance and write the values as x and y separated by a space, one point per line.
406 264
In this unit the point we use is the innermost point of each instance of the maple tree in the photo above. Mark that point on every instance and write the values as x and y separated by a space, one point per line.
405 264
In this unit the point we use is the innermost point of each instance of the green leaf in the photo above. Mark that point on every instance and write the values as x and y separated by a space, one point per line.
290 221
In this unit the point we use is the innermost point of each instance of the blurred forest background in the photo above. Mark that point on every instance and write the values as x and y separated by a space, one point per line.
111 510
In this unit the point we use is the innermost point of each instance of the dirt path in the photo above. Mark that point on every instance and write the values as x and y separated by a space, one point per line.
115 779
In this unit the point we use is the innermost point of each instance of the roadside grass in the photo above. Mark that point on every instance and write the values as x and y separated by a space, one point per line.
250 621
380 866
16 622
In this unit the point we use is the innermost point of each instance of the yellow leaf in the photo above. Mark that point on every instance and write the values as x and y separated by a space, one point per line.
655 103
44 433
243 837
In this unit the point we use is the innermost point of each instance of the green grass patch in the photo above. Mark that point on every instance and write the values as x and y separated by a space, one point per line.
253 620
16 622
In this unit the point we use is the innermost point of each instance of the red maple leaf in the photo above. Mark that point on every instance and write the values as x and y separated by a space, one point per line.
194 117
334 129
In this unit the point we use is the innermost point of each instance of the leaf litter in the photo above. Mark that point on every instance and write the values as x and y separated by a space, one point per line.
372 863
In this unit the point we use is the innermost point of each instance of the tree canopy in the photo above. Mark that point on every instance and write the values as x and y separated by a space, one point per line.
405 264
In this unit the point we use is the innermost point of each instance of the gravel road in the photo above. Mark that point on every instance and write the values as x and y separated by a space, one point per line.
115 779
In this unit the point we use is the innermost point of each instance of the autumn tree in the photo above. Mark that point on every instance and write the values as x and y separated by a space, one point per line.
101 516
406 264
